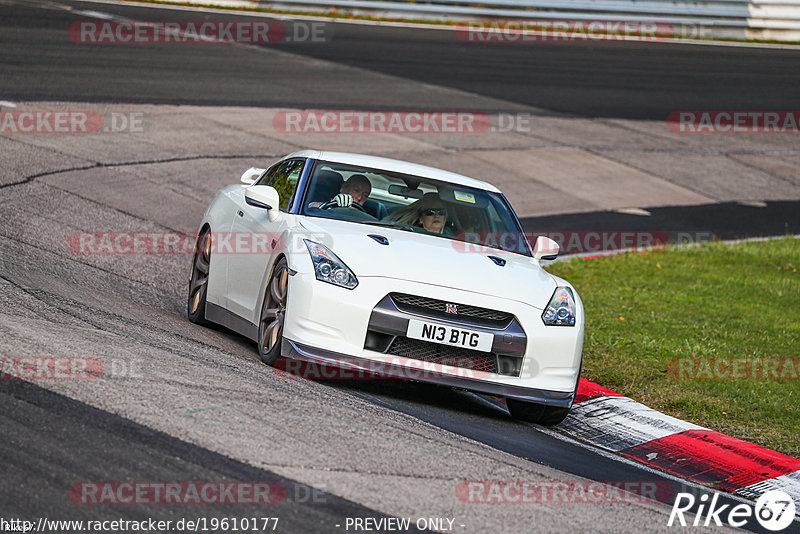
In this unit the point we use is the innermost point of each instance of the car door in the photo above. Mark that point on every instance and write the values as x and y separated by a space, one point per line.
255 241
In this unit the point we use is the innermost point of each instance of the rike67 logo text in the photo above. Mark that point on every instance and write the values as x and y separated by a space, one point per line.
774 510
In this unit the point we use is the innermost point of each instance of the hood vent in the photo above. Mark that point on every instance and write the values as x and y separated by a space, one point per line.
379 238
498 261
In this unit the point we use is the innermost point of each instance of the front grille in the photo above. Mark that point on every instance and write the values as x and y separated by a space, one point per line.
429 306
443 354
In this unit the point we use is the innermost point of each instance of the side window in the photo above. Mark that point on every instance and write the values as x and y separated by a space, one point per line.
284 178
264 180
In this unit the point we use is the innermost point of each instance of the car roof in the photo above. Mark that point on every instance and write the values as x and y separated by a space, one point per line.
394 165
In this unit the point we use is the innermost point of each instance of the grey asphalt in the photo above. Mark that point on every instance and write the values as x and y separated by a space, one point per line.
590 78
53 443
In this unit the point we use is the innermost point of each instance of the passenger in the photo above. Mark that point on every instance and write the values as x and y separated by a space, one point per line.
356 189
429 212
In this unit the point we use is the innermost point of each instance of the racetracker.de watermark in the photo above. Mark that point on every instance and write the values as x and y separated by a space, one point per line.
386 367
573 241
38 121
174 243
761 368
192 492
398 122
734 121
196 32
561 492
532 31
334 121
50 368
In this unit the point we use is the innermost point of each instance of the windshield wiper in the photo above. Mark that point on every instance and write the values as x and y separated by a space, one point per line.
391 224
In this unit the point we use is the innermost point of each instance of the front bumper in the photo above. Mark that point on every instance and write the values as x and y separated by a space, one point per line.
298 351
388 325
338 319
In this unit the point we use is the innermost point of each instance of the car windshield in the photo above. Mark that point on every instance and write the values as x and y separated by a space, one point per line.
377 197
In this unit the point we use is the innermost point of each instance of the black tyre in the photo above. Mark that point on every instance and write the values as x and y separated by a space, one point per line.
273 314
536 413
198 283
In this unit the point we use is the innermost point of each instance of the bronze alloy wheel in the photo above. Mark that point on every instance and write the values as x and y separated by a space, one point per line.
198 283
273 313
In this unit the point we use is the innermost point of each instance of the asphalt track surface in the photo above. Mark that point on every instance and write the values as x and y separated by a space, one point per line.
201 406
128 449
726 220
595 79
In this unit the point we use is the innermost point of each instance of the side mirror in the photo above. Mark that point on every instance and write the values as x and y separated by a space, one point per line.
545 249
251 175
264 197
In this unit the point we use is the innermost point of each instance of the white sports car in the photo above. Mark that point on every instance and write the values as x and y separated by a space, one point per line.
392 268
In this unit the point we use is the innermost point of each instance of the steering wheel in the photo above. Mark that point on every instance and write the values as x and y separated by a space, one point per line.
333 204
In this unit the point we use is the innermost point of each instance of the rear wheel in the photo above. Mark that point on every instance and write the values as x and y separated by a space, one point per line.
536 413
198 283
273 313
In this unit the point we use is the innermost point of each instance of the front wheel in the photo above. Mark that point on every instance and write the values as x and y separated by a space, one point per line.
273 314
536 413
198 283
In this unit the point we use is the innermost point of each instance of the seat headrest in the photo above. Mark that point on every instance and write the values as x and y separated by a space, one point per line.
330 178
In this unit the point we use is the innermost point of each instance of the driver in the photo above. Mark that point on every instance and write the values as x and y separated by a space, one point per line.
356 189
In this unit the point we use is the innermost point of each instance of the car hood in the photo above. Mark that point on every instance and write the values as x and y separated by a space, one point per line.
432 260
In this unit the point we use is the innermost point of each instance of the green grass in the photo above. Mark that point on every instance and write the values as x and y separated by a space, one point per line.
706 301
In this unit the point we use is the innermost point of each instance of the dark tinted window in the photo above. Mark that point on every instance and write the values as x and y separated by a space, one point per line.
284 177
479 218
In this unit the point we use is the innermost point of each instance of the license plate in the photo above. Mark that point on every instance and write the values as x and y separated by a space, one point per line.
450 335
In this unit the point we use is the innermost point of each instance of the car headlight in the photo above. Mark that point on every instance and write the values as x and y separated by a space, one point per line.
329 268
561 310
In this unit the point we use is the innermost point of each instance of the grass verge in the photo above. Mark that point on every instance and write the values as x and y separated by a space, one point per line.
660 323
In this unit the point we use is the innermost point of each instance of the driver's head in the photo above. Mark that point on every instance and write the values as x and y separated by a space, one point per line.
358 187
431 213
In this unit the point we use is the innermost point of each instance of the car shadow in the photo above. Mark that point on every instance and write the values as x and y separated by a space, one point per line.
400 394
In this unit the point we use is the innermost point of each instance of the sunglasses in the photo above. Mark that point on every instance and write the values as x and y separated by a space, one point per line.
432 212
